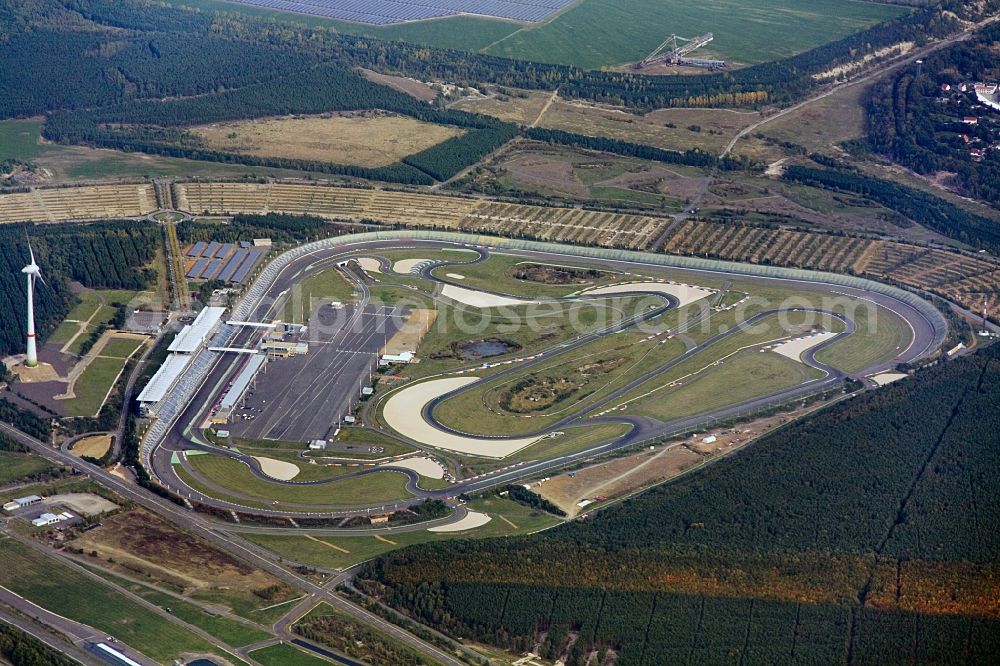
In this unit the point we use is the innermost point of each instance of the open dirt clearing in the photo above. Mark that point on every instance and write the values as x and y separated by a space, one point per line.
408 338
142 542
86 504
278 469
94 447
471 520
370 141
617 477
403 413
370 264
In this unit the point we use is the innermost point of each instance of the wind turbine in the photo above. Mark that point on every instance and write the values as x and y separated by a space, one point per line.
32 271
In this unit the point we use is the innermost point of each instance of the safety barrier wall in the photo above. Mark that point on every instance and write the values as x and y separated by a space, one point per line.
262 284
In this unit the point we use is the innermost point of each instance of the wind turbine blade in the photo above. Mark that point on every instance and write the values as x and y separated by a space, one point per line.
42 279
30 251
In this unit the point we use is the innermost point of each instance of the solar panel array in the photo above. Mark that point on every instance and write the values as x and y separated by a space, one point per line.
228 262
383 12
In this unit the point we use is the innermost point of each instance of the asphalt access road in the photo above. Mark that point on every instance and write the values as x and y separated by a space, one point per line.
923 340
217 535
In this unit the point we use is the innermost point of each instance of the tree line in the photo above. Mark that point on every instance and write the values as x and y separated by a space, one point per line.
923 208
893 477
907 123
106 255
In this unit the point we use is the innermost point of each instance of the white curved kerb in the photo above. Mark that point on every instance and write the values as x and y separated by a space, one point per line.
684 293
794 349
278 469
403 413
480 299
407 265
471 520
421 465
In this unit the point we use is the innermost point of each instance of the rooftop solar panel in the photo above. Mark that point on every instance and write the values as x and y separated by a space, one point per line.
197 249
234 263
198 267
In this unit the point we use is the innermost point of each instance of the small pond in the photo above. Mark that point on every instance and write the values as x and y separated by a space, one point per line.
485 348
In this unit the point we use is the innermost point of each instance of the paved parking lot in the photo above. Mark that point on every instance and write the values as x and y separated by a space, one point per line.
301 398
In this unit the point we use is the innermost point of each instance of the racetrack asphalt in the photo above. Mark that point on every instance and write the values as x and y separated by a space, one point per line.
923 340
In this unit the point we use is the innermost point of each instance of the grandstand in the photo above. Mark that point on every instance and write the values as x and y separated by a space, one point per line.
78 203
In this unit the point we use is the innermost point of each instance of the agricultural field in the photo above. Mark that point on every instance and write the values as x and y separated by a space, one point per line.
364 140
601 33
671 129
15 466
68 592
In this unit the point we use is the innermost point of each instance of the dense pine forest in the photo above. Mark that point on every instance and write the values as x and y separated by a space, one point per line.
863 535
143 72
108 255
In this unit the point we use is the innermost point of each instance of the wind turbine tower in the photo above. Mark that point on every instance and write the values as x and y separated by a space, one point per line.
32 271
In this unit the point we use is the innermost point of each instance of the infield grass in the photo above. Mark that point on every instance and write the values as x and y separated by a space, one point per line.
236 477
508 519
285 654
745 376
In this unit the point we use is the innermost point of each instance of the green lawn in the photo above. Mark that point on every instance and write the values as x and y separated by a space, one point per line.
743 377
121 347
59 589
19 140
234 475
596 33
479 410
14 466
328 551
495 274
284 654
879 338
326 285
93 385
231 632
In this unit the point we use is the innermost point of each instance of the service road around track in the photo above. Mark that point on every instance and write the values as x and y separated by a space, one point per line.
927 336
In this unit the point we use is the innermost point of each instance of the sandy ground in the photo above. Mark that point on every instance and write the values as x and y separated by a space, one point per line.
684 293
404 266
472 520
278 469
422 466
86 504
794 349
370 264
407 338
478 299
884 378
617 477
403 410
95 446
